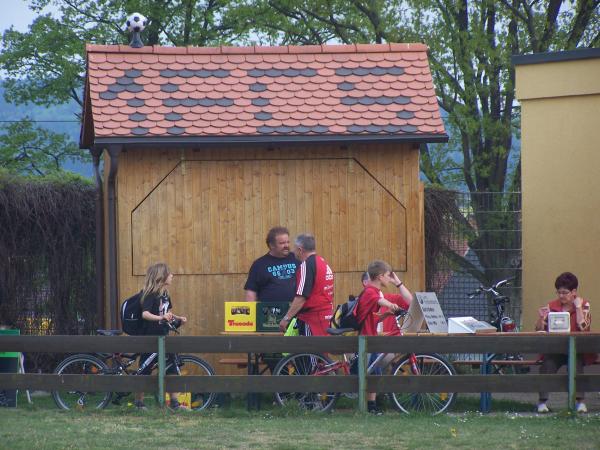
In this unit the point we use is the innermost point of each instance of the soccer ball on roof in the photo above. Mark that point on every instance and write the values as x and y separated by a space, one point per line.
136 23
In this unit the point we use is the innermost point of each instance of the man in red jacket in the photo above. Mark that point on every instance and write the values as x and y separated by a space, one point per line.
313 303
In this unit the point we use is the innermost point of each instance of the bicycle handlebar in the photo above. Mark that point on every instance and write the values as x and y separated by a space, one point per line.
492 289
172 324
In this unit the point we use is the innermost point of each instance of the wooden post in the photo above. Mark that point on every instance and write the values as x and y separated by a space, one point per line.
362 374
161 371
572 368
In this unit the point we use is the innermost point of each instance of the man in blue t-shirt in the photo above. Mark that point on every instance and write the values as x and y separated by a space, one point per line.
272 277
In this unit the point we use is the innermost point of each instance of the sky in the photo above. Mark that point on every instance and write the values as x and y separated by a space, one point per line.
15 12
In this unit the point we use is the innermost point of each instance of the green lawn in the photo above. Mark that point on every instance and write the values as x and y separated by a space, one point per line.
42 426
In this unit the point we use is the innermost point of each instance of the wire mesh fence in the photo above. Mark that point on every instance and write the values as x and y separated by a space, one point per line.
477 242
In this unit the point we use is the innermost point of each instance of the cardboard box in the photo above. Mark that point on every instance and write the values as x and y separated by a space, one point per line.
269 314
240 316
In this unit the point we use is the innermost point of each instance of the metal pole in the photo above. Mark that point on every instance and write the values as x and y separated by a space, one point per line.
161 371
362 374
485 398
572 367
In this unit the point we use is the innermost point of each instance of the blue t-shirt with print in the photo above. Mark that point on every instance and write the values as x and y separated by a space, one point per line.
273 279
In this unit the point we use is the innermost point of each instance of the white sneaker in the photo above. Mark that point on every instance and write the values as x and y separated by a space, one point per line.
542 408
580 408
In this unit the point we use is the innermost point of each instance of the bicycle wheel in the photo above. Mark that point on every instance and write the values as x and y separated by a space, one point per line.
424 402
305 364
194 366
81 364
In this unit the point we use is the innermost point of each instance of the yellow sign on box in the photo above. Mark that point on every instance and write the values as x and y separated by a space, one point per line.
240 316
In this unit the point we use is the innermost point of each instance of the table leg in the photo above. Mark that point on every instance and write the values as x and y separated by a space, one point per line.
253 398
485 398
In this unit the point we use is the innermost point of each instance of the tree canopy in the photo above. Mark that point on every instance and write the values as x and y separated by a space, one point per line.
28 149
471 44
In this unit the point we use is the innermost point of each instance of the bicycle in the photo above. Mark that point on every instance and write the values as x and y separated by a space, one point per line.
120 364
428 364
503 323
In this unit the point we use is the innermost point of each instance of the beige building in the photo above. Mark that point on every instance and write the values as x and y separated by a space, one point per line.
560 118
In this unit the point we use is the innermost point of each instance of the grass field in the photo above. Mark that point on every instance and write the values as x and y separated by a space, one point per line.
42 426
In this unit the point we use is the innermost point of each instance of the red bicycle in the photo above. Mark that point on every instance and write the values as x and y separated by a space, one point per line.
422 364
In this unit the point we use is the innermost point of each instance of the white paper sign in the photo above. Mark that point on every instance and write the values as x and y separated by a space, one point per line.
432 312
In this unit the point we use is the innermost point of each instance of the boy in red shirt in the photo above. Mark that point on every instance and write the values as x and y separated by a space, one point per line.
371 299
388 326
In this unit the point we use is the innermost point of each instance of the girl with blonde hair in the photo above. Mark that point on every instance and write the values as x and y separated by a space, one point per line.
156 311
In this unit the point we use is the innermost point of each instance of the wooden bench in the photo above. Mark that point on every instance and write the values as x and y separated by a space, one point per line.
500 362
241 363
504 362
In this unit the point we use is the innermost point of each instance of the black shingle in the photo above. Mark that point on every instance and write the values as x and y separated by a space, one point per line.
263 115
138 131
133 73
169 87
135 88
108 95
405 114
260 101
175 130
258 87
137 117
135 102
173 116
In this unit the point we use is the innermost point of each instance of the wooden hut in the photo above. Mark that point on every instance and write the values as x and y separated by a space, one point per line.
205 149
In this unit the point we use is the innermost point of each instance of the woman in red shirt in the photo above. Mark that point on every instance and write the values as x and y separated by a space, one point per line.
579 311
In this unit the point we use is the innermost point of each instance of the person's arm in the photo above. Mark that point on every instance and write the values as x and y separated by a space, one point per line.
540 324
251 296
147 315
295 308
182 318
254 283
582 316
404 291
387 304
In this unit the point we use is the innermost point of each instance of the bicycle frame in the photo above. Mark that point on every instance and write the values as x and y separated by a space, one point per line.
498 318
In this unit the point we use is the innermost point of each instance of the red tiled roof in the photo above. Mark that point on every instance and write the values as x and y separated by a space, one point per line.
382 90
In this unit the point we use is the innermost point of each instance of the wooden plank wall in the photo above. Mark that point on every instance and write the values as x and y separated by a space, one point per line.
206 213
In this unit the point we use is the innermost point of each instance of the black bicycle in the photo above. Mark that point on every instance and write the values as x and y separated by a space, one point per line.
504 324
121 364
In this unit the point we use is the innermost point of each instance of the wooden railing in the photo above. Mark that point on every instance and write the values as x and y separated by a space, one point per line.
361 383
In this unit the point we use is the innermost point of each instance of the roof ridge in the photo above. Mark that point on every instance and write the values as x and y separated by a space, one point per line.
256 49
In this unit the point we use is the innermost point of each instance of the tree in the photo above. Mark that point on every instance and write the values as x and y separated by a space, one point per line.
46 65
471 44
30 150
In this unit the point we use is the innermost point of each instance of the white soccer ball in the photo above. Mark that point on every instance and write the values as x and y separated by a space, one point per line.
136 23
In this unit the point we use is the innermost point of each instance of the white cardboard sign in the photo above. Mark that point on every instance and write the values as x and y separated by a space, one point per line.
432 312
469 325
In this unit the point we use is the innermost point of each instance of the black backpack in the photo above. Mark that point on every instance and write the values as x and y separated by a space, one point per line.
345 314
131 315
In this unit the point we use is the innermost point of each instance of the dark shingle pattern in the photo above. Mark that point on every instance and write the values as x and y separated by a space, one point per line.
378 89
